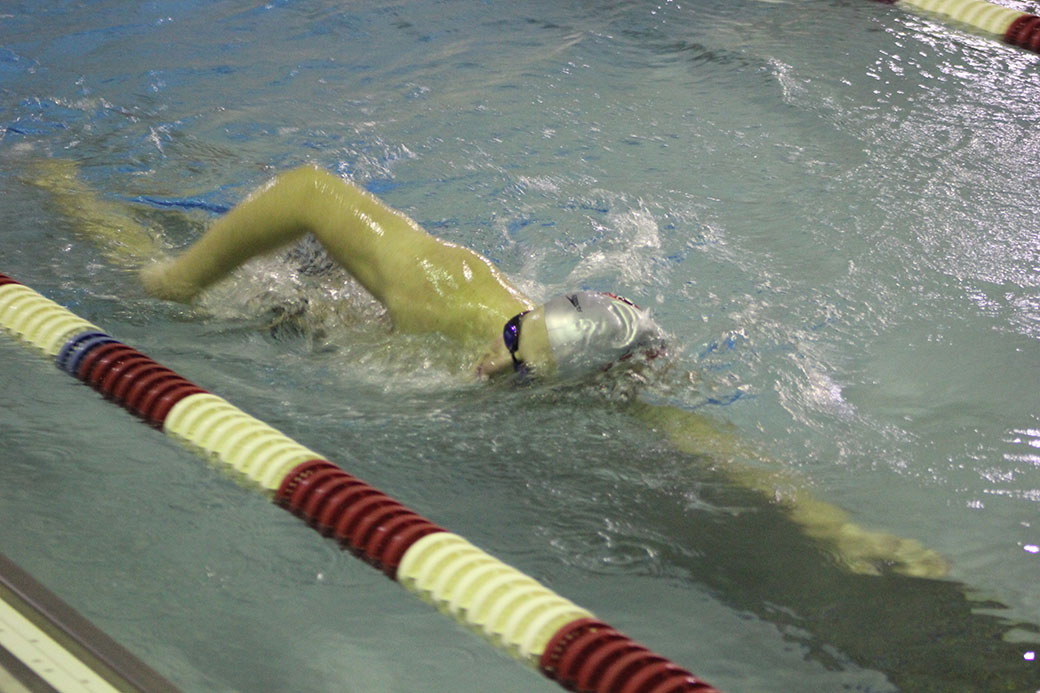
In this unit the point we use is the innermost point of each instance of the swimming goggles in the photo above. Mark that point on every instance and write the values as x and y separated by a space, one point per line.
511 337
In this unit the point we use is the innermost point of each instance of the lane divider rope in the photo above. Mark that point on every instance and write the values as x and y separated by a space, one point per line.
1020 29
510 609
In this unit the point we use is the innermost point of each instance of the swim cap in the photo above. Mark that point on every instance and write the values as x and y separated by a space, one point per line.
590 331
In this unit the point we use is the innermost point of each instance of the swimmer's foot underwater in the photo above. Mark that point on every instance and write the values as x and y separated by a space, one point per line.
429 285
123 240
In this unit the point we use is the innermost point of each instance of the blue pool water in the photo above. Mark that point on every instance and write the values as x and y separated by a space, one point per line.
830 205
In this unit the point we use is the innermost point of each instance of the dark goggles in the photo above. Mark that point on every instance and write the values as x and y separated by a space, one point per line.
511 337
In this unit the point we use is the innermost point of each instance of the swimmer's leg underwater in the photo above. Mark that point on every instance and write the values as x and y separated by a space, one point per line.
271 218
122 239
859 549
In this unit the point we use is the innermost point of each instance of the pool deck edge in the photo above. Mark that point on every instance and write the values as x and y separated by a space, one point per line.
69 653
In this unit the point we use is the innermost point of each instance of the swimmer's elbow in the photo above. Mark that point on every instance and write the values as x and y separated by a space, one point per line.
308 181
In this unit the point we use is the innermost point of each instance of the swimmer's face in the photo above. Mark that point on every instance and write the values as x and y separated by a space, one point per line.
527 336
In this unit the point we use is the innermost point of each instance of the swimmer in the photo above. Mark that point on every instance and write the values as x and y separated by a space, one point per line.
430 285
425 283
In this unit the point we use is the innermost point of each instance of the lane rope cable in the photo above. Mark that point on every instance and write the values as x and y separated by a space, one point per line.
519 616
1020 29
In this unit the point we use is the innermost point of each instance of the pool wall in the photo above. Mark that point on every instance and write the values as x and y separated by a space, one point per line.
512 610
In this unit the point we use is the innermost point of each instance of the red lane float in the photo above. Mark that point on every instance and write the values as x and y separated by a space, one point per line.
589 655
370 523
1025 32
131 379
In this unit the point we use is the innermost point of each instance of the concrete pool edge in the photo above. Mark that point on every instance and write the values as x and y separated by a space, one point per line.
47 645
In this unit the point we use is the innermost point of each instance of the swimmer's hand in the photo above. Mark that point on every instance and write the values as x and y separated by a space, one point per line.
159 281
496 359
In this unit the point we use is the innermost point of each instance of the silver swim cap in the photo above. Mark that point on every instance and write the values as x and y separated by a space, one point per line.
589 331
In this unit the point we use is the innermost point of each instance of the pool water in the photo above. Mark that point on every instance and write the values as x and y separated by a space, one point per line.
829 205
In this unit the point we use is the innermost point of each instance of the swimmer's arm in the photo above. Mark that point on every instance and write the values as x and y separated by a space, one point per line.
426 284
354 227
860 549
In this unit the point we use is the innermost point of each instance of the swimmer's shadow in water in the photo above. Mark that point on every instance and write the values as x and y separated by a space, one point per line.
923 634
